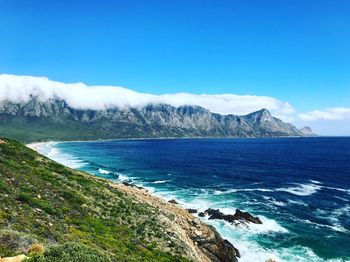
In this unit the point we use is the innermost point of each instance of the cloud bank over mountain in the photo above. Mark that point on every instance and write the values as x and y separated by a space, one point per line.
78 95
81 96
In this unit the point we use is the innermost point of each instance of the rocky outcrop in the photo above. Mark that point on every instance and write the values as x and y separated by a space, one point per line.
239 216
200 241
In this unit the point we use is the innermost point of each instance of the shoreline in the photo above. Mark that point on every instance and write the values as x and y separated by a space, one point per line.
175 138
144 190
190 228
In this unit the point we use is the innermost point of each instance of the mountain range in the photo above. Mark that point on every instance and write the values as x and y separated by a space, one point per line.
54 119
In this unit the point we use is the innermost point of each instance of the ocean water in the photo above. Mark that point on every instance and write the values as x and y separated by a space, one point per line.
299 187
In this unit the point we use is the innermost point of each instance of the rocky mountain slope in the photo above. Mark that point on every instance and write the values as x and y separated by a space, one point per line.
54 119
52 213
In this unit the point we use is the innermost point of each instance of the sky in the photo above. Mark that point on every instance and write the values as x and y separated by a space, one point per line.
295 54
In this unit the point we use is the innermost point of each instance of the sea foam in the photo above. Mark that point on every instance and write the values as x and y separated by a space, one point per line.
301 189
50 150
103 171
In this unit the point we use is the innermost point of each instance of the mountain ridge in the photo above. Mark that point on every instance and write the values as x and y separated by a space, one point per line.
44 119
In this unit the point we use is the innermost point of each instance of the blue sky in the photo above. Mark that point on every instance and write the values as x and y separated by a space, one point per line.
294 50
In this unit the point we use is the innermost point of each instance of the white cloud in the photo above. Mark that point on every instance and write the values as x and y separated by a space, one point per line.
337 113
78 95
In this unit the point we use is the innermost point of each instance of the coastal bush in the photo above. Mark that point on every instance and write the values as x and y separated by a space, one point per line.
36 248
70 252
13 243
33 202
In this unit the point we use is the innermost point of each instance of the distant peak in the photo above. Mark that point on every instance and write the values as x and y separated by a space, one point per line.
306 130
261 112
264 111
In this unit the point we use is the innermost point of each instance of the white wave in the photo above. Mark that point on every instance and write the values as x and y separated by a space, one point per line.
342 198
273 201
50 150
235 190
200 204
250 250
335 227
278 203
337 189
267 226
103 171
122 177
315 182
160 181
333 217
342 211
301 189
42 147
297 202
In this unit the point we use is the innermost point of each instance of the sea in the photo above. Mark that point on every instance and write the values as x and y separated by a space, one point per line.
299 187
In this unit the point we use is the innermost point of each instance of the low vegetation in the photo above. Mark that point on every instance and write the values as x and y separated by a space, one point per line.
53 213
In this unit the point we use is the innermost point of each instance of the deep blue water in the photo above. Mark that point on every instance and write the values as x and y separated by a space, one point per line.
300 187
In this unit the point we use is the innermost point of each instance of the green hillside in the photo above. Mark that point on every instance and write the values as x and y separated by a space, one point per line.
73 214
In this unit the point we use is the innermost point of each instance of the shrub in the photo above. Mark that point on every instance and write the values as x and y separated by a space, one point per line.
36 249
13 242
70 252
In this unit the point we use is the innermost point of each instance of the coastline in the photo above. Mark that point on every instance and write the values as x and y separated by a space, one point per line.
115 221
223 228
204 243
215 224
176 138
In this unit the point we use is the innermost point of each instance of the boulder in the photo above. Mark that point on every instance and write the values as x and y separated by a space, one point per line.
173 201
192 211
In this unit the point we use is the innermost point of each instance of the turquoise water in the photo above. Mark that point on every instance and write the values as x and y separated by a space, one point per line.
299 187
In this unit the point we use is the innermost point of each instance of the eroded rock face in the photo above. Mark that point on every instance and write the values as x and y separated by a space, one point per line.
218 249
238 216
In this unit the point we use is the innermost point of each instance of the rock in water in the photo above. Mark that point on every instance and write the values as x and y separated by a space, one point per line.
238 216
246 216
201 214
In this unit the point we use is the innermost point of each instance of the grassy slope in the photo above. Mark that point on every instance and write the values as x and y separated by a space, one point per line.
43 201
